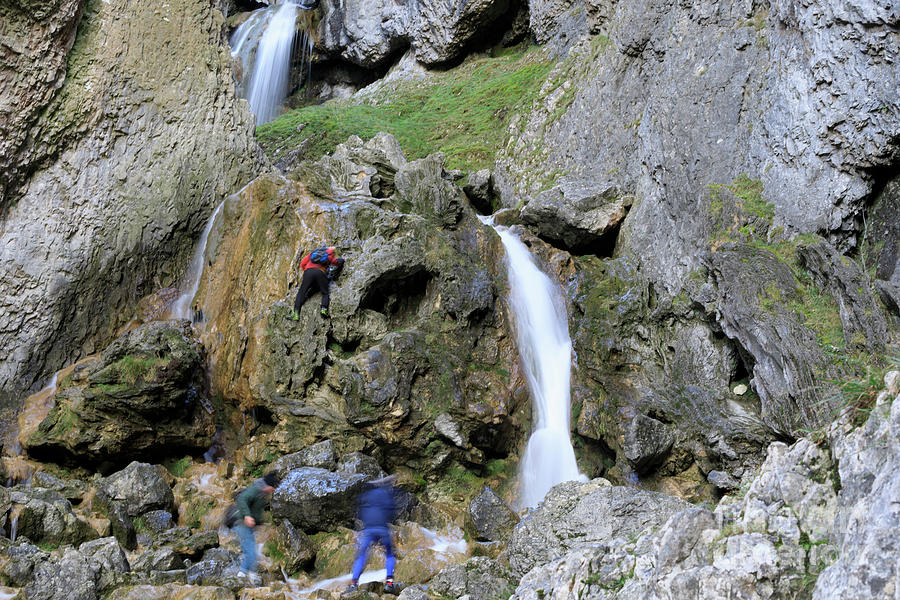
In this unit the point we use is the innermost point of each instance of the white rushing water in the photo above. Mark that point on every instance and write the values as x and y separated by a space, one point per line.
181 308
272 65
545 351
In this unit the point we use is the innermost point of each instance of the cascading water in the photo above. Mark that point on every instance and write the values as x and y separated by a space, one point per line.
272 66
545 350
181 308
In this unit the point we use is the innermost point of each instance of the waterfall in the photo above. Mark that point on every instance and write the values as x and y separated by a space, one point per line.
181 308
272 66
545 351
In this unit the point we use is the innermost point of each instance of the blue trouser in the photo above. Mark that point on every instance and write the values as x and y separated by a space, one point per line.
375 535
248 547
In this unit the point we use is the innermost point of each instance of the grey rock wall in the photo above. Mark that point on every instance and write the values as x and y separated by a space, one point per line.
370 32
137 146
666 100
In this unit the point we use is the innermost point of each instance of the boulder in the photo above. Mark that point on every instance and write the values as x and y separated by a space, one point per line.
218 568
112 560
158 521
44 516
479 578
71 489
578 214
158 559
140 487
647 443
72 576
490 517
576 513
357 462
421 186
120 524
321 455
21 560
299 550
317 500
145 397
479 189
196 545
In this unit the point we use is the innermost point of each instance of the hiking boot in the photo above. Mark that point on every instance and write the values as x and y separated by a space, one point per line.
351 589
324 312
390 587
294 316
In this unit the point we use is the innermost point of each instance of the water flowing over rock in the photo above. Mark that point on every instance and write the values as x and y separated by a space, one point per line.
546 355
135 150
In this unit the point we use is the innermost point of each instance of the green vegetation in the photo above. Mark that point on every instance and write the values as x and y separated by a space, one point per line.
178 467
463 112
131 369
273 551
196 510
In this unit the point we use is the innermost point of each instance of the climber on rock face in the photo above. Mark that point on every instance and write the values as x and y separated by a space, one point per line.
319 267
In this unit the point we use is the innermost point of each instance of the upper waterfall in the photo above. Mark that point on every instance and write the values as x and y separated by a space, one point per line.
264 48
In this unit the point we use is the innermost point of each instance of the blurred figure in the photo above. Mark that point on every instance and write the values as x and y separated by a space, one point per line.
250 504
377 509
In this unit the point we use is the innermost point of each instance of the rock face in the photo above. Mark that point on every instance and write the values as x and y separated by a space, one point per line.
479 578
868 474
414 309
133 150
367 34
715 147
576 513
144 396
490 517
32 69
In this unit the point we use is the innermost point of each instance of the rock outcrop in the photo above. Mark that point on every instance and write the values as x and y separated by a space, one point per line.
413 312
369 34
145 395
139 136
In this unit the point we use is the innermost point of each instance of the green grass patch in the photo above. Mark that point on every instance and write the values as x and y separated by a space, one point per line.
178 467
463 112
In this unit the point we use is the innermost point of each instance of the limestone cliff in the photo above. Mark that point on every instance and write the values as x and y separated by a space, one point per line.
127 143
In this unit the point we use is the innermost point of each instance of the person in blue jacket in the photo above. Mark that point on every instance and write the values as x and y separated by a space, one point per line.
377 509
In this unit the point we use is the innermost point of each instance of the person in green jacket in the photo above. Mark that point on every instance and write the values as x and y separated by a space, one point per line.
250 504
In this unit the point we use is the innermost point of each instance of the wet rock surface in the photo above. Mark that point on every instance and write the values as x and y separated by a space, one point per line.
414 306
123 168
